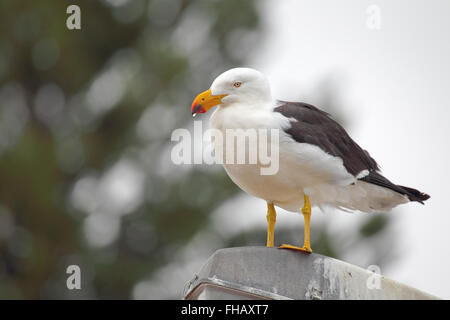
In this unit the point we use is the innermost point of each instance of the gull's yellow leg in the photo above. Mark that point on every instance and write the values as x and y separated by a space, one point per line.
306 210
271 218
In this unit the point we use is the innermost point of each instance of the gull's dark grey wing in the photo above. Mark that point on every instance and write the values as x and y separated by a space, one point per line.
316 127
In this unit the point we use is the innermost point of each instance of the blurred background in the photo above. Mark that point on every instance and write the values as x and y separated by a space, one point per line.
86 118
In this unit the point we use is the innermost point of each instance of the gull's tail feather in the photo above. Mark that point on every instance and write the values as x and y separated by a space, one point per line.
413 195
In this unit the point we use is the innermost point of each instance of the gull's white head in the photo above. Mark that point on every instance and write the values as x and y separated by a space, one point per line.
239 85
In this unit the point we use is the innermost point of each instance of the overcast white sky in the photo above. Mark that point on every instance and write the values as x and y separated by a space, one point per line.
396 89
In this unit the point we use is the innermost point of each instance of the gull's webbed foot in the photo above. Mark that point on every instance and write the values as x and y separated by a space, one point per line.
305 249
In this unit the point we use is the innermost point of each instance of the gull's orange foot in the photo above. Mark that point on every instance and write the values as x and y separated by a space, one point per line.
290 247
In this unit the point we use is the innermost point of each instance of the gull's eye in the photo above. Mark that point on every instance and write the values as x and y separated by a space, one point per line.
237 84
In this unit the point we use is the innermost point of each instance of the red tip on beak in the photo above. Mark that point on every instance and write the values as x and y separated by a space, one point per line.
205 101
197 108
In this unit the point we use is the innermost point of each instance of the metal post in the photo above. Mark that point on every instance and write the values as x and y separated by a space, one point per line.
270 273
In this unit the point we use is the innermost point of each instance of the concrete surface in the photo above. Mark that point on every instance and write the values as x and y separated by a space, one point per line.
271 273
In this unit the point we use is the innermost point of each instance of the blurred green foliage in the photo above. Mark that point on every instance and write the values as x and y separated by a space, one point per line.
85 123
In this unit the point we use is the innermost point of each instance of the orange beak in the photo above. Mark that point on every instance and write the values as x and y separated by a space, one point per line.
205 101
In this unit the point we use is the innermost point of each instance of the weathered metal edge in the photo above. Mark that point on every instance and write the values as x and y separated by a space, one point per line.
233 286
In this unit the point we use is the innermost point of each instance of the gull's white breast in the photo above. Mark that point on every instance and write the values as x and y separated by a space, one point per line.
303 168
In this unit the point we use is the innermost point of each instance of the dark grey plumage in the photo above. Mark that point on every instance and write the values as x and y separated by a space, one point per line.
316 127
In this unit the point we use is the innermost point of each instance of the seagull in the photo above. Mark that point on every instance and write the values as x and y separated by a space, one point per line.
320 165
